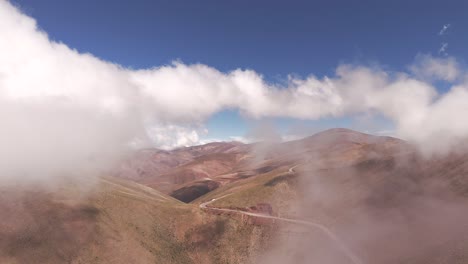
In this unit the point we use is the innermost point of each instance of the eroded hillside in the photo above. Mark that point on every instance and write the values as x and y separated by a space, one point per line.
336 197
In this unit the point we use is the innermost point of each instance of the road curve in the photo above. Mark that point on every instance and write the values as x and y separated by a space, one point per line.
352 257
291 170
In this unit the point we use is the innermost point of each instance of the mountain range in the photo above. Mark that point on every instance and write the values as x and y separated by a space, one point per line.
338 196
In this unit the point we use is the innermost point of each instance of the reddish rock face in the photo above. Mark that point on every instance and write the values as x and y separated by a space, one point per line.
380 178
188 173
262 208
166 170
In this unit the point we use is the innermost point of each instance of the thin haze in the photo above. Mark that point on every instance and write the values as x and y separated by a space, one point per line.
62 109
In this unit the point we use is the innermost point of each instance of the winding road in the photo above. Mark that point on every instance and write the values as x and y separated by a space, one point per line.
333 237
204 206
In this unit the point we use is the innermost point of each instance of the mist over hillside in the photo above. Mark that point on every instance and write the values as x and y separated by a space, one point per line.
338 196
243 149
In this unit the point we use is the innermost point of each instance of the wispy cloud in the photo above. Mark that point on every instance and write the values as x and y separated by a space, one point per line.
429 68
62 110
240 139
444 29
443 48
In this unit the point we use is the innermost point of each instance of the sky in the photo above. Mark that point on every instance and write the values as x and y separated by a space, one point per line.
282 51
275 38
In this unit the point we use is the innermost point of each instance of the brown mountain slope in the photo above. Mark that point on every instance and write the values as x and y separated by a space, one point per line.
331 148
116 221
163 170
386 202
377 195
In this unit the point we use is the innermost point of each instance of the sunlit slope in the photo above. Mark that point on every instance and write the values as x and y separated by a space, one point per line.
100 221
282 169
388 203
109 220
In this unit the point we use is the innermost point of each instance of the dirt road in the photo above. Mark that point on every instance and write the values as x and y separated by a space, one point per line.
336 240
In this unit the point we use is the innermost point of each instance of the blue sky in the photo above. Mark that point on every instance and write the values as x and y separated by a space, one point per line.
274 38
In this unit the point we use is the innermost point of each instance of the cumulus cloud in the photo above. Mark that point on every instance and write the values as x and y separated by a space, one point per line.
62 109
430 68
170 136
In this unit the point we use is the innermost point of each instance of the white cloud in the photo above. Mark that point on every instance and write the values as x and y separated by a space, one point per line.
444 29
174 136
443 48
430 68
61 109
240 139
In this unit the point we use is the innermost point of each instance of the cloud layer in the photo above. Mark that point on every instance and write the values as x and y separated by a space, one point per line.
62 109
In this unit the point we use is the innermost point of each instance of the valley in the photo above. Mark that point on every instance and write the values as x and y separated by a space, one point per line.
345 196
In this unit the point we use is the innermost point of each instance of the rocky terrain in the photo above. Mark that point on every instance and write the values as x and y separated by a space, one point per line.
338 196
